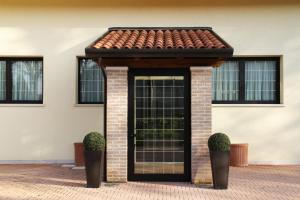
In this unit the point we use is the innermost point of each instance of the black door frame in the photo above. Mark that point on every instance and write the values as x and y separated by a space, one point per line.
186 177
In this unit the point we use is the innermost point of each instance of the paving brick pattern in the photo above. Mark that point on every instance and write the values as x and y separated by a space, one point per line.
52 182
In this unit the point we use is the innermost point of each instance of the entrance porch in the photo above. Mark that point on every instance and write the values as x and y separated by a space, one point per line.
158 101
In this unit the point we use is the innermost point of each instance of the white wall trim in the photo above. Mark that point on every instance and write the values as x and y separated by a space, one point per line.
22 105
117 68
100 105
36 161
274 163
249 105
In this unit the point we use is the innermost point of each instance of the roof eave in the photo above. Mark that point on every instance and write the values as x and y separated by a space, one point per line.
159 53
160 28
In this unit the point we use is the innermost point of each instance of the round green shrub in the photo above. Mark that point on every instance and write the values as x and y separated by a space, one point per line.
94 141
219 142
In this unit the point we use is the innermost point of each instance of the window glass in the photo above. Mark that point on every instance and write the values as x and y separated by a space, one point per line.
91 82
247 80
226 81
27 80
260 80
159 129
2 80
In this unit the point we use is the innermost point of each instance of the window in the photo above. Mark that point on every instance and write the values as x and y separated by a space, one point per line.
247 80
226 82
21 80
91 82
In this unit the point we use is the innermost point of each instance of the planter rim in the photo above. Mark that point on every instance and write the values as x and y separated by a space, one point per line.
93 151
240 144
219 151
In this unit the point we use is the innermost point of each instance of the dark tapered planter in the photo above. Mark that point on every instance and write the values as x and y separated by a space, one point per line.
93 165
220 168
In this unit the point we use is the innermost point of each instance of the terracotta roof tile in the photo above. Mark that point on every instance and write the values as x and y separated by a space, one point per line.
131 40
122 39
159 41
198 43
141 39
168 40
180 38
177 39
186 39
214 40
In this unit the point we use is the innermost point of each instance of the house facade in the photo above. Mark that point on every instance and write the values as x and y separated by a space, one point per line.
254 94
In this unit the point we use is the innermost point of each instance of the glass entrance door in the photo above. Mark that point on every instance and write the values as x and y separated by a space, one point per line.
159 130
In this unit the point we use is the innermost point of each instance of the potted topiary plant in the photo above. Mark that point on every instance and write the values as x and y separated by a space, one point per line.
219 149
94 144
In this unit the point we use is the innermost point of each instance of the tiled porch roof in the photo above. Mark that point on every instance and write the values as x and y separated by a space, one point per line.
161 41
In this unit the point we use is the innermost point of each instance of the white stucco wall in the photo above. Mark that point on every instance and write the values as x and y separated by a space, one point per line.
60 33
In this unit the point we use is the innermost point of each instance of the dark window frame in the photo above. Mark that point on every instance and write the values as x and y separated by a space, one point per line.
241 98
9 80
79 58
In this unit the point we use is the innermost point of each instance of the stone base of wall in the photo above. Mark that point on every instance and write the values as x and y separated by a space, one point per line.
201 123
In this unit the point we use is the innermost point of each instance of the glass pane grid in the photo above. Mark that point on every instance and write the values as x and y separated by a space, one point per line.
260 80
2 80
226 82
159 125
27 80
91 82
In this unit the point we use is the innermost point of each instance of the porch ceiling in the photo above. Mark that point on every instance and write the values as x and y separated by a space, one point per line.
160 42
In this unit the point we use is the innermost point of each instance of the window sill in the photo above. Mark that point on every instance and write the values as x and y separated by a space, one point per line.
248 105
21 105
89 105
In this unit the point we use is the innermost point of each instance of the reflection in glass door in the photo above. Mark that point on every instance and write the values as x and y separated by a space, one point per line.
159 123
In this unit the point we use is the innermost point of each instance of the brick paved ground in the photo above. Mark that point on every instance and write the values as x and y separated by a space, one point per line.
54 182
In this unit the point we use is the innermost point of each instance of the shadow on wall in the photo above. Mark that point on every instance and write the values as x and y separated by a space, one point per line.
271 138
50 134
271 132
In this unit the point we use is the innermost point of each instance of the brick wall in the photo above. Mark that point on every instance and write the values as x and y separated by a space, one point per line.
201 123
116 124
